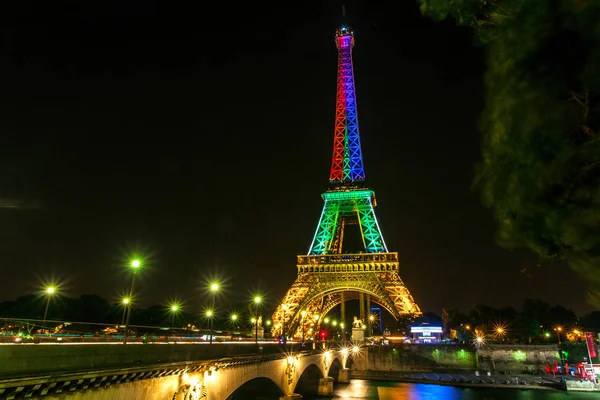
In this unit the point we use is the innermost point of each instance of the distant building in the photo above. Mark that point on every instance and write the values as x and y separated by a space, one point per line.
426 333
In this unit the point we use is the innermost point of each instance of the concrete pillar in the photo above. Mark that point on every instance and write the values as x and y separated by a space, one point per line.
325 386
368 297
344 375
293 396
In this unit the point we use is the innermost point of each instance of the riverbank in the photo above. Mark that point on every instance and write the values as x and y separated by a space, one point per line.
466 379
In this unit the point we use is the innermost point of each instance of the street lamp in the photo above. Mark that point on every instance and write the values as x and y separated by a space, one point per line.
257 300
209 315
50 290
125 302
214 287
371 320
174 310
135 265
558 330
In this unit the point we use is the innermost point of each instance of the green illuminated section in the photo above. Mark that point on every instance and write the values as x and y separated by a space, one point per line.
326 229
370 228
347 203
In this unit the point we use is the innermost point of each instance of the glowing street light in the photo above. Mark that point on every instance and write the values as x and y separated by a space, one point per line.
479 341
558 330
135 265
174 310
125 301
371 320
257 301
209 314
233 317
50 290
214 287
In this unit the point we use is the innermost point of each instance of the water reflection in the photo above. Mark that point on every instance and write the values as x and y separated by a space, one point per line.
372 390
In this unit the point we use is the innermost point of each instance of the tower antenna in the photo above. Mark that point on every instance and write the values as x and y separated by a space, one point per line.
343 10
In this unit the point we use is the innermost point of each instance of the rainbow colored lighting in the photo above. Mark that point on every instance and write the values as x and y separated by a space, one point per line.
347 164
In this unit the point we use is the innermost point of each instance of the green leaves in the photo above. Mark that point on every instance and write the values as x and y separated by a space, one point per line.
540 171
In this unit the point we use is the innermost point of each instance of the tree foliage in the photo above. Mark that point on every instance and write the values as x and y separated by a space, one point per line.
540 172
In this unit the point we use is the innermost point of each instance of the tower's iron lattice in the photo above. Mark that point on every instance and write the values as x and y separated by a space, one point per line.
327 276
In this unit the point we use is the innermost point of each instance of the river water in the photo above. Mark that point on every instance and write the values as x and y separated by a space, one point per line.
378 390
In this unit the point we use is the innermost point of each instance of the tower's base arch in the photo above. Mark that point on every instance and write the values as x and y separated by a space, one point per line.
324 282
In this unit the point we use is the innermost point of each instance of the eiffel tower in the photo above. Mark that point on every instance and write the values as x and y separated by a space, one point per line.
327 277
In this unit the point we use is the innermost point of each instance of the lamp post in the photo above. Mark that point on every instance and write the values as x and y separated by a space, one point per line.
174 310
213 289
371 320
135 266
50 290
257 300
558 331
209 315
125 302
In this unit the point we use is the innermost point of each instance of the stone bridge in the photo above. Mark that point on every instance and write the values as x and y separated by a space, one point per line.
280 374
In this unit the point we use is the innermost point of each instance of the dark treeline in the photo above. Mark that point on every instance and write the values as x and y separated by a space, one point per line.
95 309
536 322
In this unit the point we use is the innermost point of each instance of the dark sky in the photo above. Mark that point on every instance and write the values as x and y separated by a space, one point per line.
201 137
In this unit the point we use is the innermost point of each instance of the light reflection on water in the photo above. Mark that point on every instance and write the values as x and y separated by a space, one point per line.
372 390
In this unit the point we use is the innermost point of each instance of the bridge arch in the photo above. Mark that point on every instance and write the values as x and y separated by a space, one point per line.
285 373
257 386
308 380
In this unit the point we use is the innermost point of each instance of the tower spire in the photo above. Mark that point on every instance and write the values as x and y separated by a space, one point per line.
347 163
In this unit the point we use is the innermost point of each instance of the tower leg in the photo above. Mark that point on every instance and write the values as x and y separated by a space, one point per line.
368 305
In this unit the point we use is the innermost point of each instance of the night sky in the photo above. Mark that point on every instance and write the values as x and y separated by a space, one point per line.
200 137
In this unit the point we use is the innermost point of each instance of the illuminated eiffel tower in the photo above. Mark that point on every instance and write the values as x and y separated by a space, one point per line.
326 276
